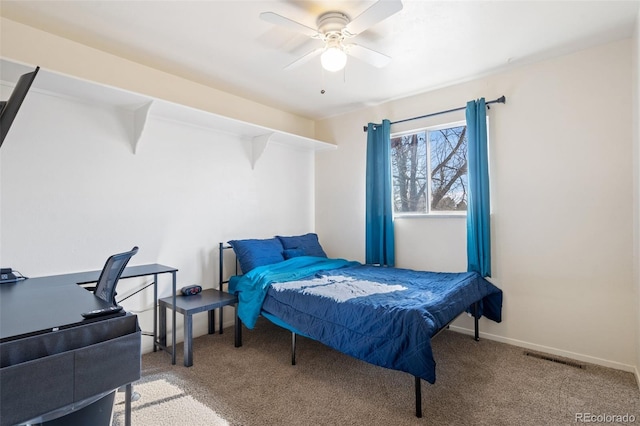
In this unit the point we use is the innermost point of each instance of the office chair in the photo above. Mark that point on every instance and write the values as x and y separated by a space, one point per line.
106 286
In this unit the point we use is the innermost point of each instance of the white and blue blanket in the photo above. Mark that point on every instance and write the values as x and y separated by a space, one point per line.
385 316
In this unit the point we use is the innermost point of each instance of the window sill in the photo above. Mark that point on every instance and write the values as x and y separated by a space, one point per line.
431 216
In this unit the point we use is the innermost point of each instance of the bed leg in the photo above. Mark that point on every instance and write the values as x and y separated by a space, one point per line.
418 397
293 348
238 330
475 322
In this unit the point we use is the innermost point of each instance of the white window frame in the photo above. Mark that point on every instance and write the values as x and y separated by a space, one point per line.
428 213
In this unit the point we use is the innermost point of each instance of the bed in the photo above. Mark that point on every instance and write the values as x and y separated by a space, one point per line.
381 315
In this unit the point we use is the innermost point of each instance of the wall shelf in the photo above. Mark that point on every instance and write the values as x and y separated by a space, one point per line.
141 108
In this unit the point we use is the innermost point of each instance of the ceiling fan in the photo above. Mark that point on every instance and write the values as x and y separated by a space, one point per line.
334 29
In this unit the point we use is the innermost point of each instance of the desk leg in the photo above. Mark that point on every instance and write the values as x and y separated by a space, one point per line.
173 322
188 340
162 337
127 405
212 321
155 312
221 319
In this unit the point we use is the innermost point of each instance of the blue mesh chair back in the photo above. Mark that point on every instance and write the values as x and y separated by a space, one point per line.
106 287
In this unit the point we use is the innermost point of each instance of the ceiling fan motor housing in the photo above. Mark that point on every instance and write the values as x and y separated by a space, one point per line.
332 22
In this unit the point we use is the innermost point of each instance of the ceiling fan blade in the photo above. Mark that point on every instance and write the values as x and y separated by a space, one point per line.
378 11
289 24
304 59
367 55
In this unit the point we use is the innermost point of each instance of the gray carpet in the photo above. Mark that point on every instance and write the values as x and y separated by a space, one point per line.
478 383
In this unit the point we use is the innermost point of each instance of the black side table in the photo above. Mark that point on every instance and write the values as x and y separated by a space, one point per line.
208 300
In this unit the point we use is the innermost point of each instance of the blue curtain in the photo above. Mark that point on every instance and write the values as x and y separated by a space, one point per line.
478 208
380 248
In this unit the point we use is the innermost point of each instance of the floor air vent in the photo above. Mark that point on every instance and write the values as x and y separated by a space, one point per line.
558 360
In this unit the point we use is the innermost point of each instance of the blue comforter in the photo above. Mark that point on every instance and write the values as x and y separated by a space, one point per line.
385 316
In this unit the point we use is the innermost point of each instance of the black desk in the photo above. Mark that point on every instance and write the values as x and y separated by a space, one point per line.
52 360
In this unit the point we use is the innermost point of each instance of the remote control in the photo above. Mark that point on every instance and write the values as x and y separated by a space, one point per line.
103 311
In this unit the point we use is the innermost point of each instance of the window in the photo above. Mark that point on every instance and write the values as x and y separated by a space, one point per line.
429 170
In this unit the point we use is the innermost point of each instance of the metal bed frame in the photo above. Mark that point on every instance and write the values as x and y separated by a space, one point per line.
238 328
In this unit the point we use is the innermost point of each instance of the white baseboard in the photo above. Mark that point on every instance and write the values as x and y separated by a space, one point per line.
637 377
553 351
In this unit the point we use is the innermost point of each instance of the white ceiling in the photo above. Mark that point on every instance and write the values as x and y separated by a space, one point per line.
226 45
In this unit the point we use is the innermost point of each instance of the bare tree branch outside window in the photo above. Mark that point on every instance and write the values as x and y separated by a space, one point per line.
430 164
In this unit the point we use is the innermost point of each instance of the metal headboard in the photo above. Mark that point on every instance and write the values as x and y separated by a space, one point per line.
221 281
221 248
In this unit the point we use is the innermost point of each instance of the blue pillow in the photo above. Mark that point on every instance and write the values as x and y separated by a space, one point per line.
253 253
308 243
289 253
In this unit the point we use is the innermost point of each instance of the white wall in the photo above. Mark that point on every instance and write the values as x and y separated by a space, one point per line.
73 192
562 191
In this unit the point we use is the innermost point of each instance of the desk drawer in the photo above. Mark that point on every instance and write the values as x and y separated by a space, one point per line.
35 388
39 376
107 365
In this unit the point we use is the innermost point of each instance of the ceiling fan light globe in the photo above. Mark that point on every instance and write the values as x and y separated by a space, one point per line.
333 59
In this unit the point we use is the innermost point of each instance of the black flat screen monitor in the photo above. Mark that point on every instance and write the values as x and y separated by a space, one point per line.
9 109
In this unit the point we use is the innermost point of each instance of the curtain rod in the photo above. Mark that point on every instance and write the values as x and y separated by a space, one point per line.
500 100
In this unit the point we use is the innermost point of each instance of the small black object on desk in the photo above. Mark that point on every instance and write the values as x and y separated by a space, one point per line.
191 290
102 312
8 275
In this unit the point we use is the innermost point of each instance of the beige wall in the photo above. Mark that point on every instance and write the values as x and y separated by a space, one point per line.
562 204
31 46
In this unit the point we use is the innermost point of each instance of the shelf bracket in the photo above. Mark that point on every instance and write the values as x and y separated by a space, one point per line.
140 117
258 145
